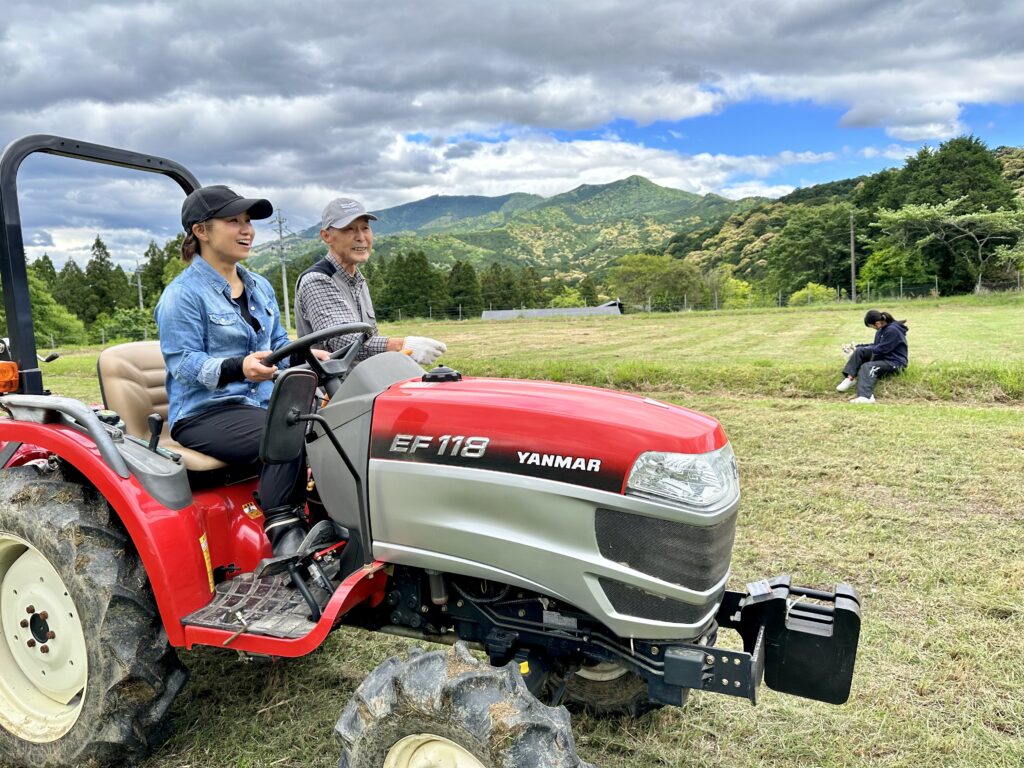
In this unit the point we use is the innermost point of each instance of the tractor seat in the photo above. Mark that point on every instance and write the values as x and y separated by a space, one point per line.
132 383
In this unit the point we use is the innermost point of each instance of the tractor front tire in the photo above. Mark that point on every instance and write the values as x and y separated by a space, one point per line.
448 709
608 690
86 674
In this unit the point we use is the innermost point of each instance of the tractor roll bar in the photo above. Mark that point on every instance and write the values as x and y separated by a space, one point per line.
13 270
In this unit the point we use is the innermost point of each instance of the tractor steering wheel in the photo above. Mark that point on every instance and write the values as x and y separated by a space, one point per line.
345 357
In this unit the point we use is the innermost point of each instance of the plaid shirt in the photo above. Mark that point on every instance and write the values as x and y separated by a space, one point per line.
319 298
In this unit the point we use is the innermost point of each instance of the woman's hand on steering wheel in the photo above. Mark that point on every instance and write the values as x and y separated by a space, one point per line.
313 357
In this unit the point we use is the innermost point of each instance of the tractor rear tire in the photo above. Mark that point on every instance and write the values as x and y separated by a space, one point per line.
447 708
86 674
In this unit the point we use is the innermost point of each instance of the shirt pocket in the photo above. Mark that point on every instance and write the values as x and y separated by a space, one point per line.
227 337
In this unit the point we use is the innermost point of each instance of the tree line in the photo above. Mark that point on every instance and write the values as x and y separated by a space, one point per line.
102 302
408 285
949 219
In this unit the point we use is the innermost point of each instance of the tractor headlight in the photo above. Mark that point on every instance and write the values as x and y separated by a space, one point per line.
692 480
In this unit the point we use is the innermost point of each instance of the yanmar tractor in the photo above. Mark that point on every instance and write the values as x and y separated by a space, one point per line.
578 538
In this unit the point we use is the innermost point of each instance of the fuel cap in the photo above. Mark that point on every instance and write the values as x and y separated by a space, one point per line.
108 416
442 373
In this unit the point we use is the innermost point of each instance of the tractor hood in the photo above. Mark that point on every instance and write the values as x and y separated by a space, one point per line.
581 435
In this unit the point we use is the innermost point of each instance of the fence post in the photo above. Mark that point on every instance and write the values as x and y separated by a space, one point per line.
460 311
901 286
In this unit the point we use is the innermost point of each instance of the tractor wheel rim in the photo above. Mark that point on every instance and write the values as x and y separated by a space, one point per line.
43 662
602 672
427 750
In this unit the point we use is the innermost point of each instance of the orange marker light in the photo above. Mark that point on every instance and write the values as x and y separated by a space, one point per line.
8 376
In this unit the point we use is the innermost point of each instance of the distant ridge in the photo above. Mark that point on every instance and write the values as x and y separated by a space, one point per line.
567 235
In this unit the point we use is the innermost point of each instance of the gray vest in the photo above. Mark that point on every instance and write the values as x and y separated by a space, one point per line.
358 301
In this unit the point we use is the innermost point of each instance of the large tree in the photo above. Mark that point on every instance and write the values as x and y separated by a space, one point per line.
588 292
151 271
72 292
464 291
814 246
499 287
414 288
656 282
980 238
531 288
107 283
961 168
44 269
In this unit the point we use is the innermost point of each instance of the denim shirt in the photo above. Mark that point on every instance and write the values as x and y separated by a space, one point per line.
201 326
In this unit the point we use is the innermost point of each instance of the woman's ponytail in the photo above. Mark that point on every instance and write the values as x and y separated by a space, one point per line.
189 247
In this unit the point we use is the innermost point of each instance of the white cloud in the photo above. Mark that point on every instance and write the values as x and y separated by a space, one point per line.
540 165
126 246
890 152
755 189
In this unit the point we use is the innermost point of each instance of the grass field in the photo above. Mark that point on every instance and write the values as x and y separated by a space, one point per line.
916 501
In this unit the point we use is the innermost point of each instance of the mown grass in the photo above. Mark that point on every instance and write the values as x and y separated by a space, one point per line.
915 501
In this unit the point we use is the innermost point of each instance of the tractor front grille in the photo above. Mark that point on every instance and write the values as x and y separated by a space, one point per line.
692 556
629 600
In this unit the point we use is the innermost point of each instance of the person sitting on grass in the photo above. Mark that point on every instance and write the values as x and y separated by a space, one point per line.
886 355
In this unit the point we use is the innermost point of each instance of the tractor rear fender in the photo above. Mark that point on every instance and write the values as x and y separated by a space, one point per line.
172 543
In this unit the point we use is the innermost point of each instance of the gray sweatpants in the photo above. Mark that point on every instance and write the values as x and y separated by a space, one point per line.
867 371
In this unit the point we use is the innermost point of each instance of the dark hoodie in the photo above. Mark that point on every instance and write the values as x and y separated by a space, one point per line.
890 344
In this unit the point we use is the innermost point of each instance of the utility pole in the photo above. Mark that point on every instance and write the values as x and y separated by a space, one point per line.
853 264
284 269
138 281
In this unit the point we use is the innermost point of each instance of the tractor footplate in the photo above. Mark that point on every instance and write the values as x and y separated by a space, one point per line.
265 606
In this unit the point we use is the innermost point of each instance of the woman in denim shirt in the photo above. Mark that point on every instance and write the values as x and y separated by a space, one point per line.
217 322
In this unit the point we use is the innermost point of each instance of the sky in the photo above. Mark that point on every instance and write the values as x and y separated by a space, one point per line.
392 102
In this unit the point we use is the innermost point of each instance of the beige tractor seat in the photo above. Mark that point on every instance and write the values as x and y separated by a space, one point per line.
132 383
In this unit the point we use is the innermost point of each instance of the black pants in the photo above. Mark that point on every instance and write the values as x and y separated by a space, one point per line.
232 434
867 371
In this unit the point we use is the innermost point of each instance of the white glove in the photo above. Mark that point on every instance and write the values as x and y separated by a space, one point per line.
423 350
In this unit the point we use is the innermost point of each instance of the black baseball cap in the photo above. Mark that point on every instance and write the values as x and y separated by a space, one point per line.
219 202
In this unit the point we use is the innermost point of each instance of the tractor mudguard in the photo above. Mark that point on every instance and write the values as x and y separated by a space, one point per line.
168 541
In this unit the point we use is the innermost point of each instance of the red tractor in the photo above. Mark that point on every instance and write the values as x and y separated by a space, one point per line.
580 538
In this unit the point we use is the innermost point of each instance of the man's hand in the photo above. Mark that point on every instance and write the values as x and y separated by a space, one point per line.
321 354
253 368
424 350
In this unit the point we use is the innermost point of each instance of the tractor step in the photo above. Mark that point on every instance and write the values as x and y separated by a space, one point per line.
266 606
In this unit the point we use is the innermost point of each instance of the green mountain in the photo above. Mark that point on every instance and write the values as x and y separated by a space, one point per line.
568 235
443 212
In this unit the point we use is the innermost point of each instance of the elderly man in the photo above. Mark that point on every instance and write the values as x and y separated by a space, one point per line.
333 291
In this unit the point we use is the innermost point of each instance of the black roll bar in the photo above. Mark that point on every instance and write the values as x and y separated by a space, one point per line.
13 269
